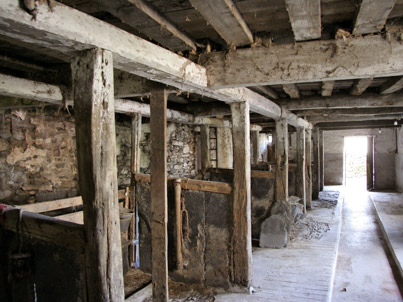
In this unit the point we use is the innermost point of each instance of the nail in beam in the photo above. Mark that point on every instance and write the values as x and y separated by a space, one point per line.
281 160
96 152
159 199
300 172
308 168
241 237
315 168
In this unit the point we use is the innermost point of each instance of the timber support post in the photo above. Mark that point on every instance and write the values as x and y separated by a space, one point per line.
241 237
308 168
300 173
281 160
205 147
321 161
255 147
315 168
159 197
96 154
134 253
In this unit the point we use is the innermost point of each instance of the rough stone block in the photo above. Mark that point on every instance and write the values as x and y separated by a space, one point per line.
274 233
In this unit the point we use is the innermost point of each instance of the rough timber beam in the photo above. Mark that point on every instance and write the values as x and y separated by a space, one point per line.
312 61
305 19
327 88
360 86
64 31
358 124
372 16
338 102
270 92
225 18
146 19
392 85
292 90
351 111
349 118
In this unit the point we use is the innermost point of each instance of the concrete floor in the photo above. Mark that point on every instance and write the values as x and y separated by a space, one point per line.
363 271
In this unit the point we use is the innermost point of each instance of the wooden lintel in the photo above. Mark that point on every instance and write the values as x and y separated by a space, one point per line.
372 16
360 86
305 62
226 19
62 233
305 17
353 118
350 112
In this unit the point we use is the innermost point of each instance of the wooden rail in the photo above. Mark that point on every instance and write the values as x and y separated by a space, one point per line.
50 229
191 184
254 173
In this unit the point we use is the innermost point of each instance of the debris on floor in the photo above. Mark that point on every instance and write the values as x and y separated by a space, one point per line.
308 229
327 199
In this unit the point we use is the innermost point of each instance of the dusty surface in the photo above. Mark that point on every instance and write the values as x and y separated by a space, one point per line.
134 280
363 271
310 228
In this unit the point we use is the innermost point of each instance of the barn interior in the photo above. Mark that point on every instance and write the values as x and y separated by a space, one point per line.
165 150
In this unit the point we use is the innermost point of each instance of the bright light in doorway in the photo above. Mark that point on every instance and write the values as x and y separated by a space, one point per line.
356 145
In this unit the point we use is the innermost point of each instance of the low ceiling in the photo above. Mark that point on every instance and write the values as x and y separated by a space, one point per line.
195 27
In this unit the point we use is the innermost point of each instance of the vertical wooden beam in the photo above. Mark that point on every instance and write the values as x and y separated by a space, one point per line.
300 173
321 161
315 169
134 168
370 163
255 147
205 147
308 164
96 153
159 198
241 237
281 160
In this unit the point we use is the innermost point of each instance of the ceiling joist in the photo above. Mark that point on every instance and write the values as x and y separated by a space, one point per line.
360 86
305 17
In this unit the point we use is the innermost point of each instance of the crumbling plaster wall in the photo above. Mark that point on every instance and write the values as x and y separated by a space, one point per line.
384 155
38 154
399 160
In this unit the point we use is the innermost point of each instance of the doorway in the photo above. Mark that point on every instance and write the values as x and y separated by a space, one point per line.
355 161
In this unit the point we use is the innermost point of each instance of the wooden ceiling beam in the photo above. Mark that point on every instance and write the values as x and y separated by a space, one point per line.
140 15
78 31
292 90
350 111
360 85
305 17
327 88
339 102
267 91
392 85
350 118
372 16
225 18
357 124
304 62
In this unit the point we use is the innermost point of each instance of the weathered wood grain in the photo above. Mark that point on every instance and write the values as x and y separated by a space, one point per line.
281 160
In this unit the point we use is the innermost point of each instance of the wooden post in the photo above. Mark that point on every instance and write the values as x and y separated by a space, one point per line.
241 237
205 147
370 163
94 112
321 161
300 172
255 147
308 168
315 169
282 160
178 229
134 168
159 197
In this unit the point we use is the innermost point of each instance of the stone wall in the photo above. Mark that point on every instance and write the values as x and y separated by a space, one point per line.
399 160
38 154
384 155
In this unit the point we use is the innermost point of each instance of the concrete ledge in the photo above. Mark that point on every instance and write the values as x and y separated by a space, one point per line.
389 211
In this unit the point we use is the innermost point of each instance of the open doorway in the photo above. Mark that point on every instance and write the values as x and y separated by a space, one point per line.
355 161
